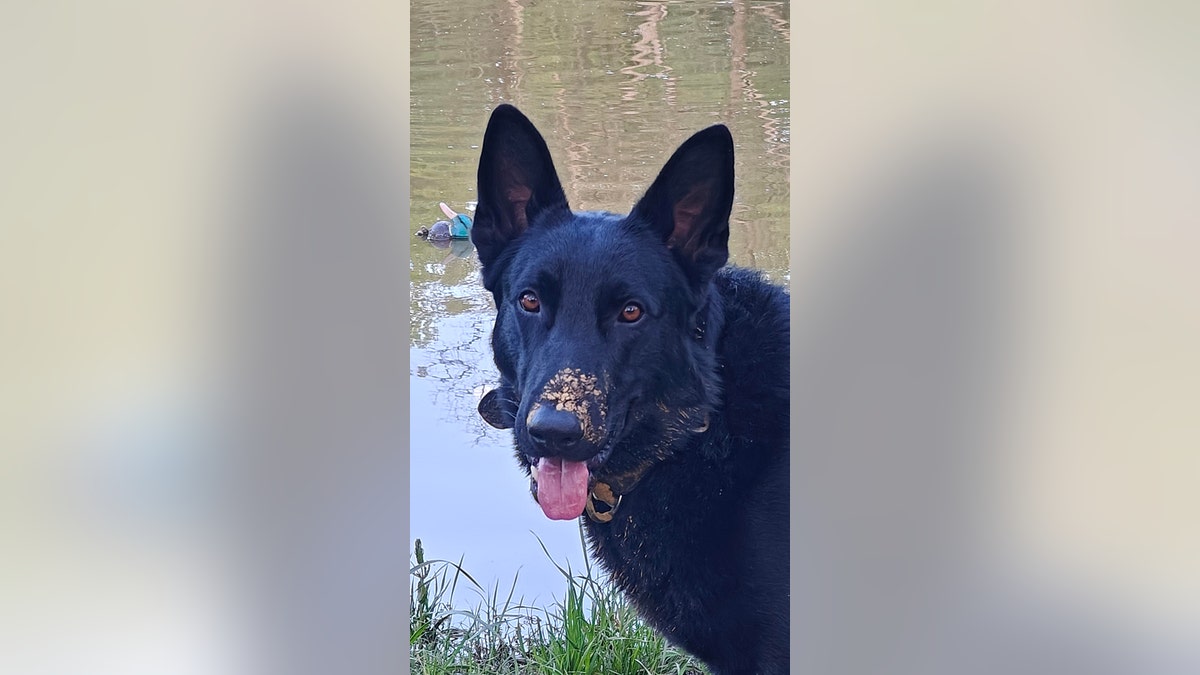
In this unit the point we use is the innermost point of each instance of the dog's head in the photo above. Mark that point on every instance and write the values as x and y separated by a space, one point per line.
600 334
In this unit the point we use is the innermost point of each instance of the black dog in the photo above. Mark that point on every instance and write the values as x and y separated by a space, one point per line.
647 386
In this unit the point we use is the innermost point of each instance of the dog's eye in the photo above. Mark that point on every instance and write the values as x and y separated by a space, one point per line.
530 302
631 313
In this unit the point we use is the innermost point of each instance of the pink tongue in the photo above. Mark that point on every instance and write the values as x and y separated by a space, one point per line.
561 487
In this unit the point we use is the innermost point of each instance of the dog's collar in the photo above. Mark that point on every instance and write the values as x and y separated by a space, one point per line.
602 502
605 495
606 492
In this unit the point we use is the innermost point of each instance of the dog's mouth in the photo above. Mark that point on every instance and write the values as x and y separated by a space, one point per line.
561 486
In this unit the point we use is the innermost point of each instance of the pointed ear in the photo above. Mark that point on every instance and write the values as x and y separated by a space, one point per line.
517 182
688 204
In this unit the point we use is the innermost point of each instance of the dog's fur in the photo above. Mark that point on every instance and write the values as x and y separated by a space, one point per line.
683 410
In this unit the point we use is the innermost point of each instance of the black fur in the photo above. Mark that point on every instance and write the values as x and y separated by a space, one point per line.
691 397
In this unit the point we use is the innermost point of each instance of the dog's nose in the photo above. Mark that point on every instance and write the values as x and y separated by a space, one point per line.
555 429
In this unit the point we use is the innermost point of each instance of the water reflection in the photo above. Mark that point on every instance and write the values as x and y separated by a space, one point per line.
614 87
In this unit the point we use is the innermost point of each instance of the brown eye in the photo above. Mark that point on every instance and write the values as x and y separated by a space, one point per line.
631 313
530 302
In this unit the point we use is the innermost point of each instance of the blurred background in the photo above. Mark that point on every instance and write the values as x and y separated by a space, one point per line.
995 312
204 243
203 429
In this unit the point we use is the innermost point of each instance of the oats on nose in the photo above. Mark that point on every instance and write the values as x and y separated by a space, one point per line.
578 394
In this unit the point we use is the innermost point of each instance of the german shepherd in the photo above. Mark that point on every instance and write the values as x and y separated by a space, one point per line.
646 385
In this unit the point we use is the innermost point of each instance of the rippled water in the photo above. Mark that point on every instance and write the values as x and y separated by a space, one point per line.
614 87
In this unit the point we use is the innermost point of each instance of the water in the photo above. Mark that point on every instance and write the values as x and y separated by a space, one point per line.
614 87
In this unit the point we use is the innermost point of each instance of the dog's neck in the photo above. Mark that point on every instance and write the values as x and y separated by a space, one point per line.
705 320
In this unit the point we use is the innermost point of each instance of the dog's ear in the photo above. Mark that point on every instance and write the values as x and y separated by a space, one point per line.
497 408
688 204
517 182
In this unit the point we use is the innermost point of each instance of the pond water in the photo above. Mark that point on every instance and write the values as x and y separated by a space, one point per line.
614 87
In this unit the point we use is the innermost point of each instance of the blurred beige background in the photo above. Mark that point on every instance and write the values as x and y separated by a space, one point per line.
126 129
1094 106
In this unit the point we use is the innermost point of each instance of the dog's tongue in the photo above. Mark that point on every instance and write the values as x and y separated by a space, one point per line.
561 487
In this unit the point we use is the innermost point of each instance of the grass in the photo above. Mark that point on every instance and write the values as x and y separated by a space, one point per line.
592 630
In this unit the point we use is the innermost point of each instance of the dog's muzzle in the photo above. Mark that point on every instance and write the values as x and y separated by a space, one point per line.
568 417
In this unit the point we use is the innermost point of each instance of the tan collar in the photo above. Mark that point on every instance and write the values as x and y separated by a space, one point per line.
602 503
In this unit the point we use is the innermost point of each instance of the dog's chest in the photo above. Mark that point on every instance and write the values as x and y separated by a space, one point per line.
664 551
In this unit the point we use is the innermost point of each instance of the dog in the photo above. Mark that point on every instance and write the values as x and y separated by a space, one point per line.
646 385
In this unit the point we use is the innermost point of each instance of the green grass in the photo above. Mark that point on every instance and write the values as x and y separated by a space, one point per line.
592 630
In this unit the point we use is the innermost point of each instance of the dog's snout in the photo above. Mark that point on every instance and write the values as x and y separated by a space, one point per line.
554 429
567 418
